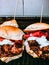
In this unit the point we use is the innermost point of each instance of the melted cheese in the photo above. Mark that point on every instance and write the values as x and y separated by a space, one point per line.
5 41
41 40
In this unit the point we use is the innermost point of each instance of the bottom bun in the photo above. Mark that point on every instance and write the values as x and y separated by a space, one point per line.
7 59
30 52
33 54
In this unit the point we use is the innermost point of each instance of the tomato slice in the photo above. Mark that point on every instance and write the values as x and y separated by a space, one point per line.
1 39
26 36
37 34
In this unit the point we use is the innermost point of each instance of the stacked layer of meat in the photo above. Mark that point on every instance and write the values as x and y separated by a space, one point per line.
7 50
41 52
35 46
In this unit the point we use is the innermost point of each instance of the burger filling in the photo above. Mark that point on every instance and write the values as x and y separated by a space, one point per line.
10 47
38 42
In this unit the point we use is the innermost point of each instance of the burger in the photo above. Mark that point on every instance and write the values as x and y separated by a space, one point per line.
36 40
11 44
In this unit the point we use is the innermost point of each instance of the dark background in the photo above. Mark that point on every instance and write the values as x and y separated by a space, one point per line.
26 59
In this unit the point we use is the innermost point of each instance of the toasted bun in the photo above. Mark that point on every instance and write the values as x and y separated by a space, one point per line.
11 32
36 26
11 23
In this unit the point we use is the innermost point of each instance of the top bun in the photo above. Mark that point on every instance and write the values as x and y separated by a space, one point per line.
36 26
11 32
11 23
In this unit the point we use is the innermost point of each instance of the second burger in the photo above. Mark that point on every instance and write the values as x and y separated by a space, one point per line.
11 44
37 40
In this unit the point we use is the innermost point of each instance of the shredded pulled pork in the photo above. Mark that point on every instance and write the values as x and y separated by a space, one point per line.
7 50
41 52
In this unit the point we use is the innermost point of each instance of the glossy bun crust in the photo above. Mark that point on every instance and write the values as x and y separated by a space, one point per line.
36 26
11 32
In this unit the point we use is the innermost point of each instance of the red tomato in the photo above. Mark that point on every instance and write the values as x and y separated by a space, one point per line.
38 34
1 39
26 36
